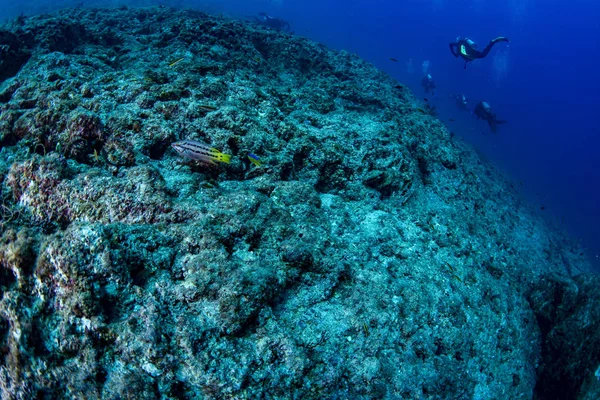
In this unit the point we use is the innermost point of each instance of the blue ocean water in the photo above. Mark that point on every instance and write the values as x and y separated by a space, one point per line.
545 83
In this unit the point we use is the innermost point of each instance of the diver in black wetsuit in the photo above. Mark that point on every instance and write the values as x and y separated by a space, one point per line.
428 83
467 49
461 101
484 111
272 22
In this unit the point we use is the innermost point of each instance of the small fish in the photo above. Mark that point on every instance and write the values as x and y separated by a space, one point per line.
542 208
366 328
254 159
199 151
426 99
256 60
393 59
176 62
207 108
398 87
451 120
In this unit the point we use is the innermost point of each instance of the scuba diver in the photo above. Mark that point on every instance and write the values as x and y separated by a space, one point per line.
428 83
461 101
484 111
467 49
272 22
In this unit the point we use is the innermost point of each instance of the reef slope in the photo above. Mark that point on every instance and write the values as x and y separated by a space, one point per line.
372 255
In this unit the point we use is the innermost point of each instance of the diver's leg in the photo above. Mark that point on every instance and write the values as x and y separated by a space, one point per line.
490 45
487 49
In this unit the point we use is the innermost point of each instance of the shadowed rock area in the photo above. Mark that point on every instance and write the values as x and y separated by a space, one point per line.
371 255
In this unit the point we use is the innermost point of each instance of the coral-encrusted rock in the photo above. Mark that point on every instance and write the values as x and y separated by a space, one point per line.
83 136
14 52
34 184
568 312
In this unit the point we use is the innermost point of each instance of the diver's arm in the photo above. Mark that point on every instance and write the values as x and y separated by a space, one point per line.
452 46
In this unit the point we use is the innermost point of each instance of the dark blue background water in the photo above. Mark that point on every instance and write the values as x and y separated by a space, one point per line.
545 82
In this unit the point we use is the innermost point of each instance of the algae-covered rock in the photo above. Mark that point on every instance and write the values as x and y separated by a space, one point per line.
352 248
568 313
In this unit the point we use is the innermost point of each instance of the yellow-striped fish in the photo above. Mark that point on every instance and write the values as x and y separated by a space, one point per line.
207 108
176 62
200 151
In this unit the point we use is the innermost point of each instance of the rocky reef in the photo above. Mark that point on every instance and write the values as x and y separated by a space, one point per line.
370 255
